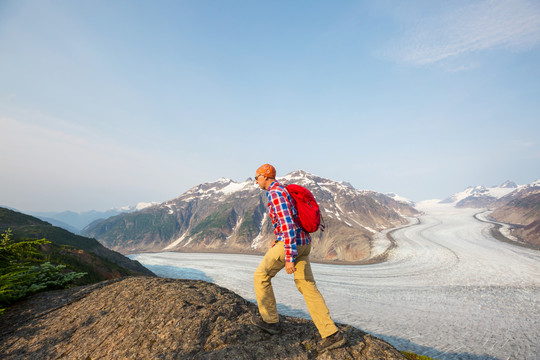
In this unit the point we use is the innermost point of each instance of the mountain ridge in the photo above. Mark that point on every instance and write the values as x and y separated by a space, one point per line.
76 221
85 254
225 216
480 196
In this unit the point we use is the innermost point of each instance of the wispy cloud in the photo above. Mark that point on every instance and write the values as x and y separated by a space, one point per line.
525 143
473 27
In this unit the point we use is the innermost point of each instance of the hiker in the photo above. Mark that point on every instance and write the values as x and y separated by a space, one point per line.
291 251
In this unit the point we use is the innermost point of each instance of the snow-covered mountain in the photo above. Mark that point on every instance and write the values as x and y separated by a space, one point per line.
400 199
137 207
227 216
515 205
481 196
76 221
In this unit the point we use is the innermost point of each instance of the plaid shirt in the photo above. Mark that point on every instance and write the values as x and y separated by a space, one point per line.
282 212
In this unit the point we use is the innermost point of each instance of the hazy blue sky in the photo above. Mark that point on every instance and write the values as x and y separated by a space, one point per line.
108 103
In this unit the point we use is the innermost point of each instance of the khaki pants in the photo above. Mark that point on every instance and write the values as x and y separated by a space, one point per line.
272 263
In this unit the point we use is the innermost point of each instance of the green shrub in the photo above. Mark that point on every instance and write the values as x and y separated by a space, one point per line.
23 272
412 356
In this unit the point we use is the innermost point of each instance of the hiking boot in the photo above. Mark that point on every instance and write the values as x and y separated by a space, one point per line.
273 329
331 342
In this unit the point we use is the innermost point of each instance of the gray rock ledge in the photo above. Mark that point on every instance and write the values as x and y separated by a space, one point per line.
156 318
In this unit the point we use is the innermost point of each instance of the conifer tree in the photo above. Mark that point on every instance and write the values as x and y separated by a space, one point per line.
23 272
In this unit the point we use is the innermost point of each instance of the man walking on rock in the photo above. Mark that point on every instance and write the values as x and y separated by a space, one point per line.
291 251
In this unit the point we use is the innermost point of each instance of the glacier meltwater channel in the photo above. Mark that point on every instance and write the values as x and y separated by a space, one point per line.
449 290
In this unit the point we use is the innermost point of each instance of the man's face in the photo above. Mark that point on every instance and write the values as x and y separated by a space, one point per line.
261 181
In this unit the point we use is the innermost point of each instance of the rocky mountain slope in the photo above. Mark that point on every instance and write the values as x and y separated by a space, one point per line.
521 209
153 318
226 216
78 252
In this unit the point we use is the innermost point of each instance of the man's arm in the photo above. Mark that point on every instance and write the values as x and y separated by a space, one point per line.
286 223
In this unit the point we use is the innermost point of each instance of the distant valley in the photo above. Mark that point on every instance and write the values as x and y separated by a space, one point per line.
76 221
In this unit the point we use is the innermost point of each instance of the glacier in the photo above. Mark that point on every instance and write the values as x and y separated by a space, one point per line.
449 290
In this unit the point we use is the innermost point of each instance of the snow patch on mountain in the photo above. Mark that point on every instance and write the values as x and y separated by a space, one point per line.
258 241
138 207
234 187
238 222
535 183
480 192
400 198
222 186
176 242
171 209
370 229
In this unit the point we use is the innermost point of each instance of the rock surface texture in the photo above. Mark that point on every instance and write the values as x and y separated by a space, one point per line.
155 318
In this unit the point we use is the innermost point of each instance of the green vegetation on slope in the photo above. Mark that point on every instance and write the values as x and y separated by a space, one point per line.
136 226
412 356
249 228
79 253
10 217
213 224
24 271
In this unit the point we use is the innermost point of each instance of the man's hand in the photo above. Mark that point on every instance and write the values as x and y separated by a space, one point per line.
289 267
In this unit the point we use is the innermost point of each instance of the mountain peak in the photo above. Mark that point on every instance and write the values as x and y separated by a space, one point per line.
299 177
299 174
508 184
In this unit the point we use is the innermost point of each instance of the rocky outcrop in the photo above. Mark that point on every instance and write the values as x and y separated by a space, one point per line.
155 318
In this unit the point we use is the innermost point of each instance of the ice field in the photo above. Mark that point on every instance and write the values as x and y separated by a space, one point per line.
449 290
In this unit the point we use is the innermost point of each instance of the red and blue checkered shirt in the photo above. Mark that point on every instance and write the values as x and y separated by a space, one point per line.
282 212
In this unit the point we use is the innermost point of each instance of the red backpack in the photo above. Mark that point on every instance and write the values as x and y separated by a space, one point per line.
308 214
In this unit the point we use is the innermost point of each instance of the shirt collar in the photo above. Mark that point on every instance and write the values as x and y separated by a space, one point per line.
272 185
